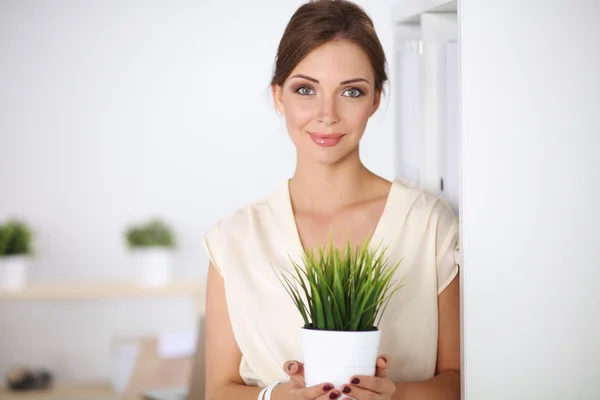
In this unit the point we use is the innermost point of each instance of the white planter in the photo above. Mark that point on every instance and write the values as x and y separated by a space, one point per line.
334 357
151 266
13 272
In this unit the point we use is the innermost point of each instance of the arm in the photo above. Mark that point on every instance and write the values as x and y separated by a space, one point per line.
223 356
446 384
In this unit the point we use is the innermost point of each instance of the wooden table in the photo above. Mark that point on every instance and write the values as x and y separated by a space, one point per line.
72 392
64 392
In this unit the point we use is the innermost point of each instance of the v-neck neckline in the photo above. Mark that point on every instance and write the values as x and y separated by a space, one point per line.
291 226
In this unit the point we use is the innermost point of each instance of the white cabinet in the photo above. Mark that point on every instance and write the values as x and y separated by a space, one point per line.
427 123
409 145
450 134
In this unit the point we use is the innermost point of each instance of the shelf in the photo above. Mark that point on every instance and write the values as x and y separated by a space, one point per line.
66 291
409 11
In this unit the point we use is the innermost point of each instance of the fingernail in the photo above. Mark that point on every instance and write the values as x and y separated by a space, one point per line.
290 366
334 395
384 359
347 389
327 388
355 381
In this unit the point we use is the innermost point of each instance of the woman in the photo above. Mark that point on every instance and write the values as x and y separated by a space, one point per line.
327 83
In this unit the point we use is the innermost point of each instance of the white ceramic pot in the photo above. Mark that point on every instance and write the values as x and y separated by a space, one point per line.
152 266
334 357
13 272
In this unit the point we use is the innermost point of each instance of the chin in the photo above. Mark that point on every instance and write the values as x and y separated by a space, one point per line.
326 155
327 160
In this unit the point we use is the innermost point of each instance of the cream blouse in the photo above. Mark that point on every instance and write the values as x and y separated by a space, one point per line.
244 247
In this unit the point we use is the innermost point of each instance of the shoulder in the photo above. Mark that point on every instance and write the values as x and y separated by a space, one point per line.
248 216
236 231
421 203
425 215
430 217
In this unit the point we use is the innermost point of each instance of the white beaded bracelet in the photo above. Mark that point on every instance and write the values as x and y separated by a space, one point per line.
266 392
262 393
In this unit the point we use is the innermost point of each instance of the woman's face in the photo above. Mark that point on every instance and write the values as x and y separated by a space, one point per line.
327 101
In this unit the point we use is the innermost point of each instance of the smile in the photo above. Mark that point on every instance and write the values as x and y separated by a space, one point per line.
326 139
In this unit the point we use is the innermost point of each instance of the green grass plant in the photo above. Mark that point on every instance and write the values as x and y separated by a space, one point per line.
342 289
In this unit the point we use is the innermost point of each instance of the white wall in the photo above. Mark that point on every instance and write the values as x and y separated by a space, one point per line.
115 111
530 121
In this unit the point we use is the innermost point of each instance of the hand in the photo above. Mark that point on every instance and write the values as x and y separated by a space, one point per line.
378 387
296 388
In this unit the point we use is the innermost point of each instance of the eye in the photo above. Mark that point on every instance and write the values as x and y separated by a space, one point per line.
354 92
304 91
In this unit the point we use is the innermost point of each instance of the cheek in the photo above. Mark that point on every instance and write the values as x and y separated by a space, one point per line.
356 114
298 113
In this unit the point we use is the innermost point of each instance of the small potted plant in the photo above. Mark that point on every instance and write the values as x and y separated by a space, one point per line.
15 254
151 248
341 295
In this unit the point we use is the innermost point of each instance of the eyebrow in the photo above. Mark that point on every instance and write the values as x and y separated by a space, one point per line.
308 78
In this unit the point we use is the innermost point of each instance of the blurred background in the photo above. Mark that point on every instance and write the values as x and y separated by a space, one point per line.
114 114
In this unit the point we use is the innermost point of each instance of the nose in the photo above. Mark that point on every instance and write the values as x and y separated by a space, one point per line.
328 112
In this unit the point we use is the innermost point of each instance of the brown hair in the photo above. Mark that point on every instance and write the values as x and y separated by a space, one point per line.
320 21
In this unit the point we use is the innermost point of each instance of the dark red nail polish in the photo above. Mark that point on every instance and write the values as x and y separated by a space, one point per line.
327 388
347 390
333 396
355 381
290 366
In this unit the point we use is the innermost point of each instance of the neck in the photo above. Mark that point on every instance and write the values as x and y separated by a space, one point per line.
323 188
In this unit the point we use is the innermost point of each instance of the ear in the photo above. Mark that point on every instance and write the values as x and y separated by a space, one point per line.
277 92
376 101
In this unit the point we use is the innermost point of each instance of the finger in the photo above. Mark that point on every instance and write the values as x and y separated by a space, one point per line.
322 391
382 365
372 383
330 395
359 393
293 367
295 370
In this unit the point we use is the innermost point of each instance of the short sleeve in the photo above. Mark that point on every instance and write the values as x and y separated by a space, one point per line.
212 246
447 245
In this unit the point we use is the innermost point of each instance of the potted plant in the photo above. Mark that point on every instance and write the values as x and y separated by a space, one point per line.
341 295
15 254
151 247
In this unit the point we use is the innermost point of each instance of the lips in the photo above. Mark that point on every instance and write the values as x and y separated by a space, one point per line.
326 139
